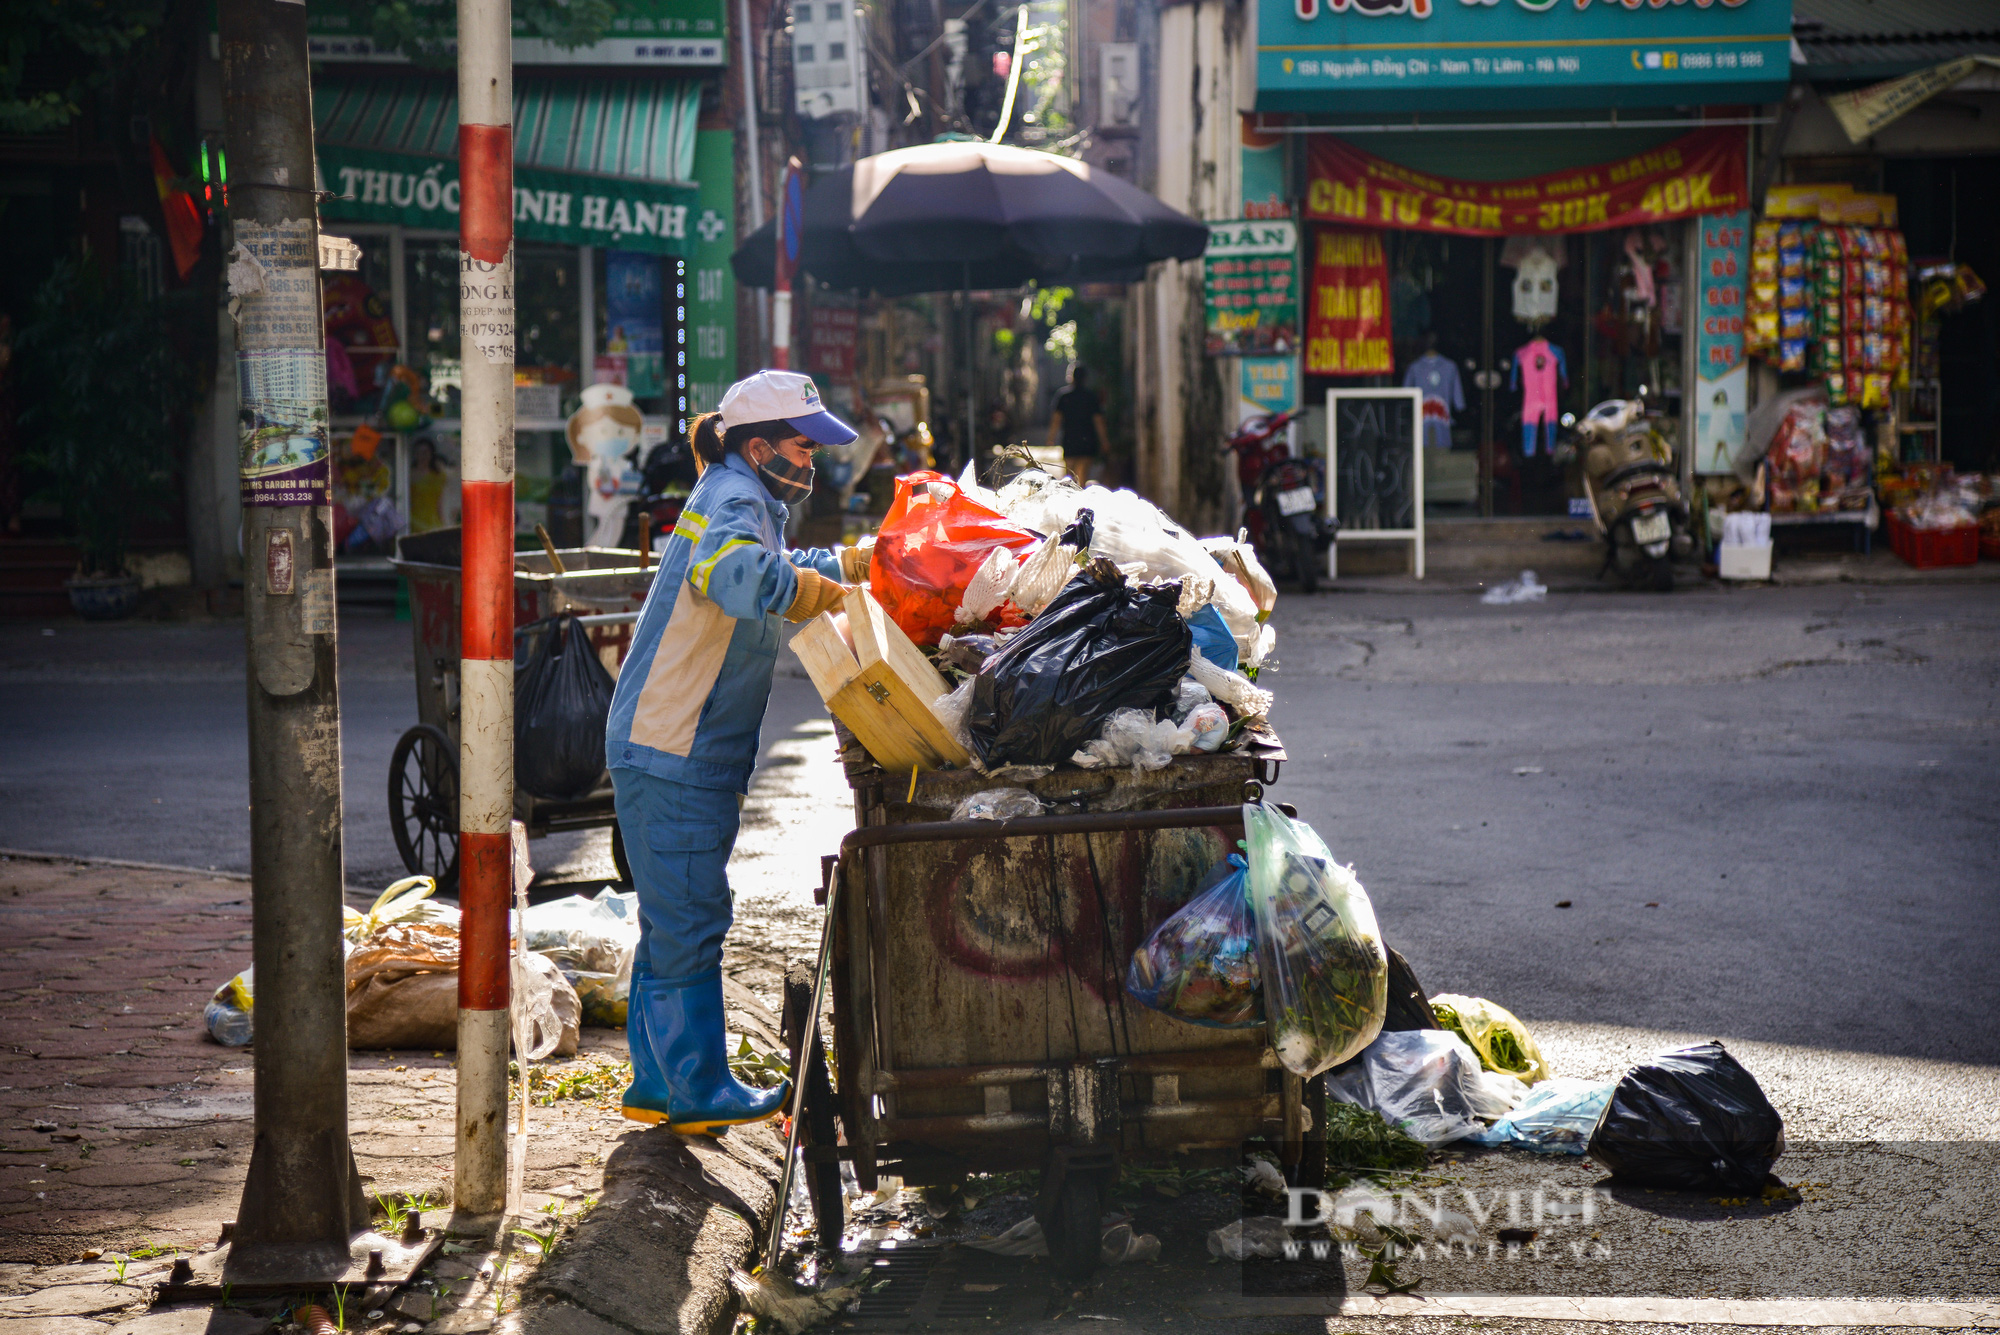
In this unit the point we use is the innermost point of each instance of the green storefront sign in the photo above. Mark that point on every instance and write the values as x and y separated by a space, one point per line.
563 207
711 308
1368 56
644 32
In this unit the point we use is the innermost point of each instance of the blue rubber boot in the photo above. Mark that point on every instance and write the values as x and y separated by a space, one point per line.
647 1099
682 1027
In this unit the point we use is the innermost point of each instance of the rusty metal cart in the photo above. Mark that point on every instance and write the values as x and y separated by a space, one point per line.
605 586
980 1021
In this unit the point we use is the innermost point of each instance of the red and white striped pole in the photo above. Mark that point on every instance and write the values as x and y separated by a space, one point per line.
790 216
486 664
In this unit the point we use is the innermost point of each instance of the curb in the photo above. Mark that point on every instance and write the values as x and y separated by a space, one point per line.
676 1215
25 855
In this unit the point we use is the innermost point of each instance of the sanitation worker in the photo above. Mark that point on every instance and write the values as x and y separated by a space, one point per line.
682 736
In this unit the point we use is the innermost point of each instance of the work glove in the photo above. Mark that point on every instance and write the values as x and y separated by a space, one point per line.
854 560
816 594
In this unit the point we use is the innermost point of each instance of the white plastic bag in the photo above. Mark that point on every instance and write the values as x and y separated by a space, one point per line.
598 935
998 804
988 587
1042 576
951 709
1428 1082
1240 1239
1130 529
1239 559
1133 737
1526 589
1209 726
1232 688
548 1016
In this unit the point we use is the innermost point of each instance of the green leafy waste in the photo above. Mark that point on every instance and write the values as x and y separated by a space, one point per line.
1357 1139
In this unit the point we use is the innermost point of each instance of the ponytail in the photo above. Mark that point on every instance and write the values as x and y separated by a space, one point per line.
705 438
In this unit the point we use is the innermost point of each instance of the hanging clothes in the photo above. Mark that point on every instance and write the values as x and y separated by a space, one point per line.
1444 394
1539 367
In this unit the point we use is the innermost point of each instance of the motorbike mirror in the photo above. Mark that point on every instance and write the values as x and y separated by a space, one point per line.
1569 419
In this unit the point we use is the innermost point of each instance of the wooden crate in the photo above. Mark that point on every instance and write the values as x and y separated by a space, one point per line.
878 683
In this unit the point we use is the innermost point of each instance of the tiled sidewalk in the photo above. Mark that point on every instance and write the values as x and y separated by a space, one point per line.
124 1129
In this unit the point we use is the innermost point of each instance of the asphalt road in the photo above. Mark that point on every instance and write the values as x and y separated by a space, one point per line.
1802 780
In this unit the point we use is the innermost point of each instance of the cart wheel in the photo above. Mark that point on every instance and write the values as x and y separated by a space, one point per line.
819 1128
1075 1235
423 804
618 858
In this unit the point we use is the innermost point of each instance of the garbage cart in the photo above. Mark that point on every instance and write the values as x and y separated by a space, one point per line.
979 1016
604 586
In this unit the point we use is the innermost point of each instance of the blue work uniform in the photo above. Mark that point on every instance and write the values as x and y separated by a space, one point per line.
682 737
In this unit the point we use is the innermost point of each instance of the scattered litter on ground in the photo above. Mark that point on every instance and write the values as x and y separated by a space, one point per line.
1687 1120
1241 1239
1526 589
1555 1117
1491 1030
1429 1083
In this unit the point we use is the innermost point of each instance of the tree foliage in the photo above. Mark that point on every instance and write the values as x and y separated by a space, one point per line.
52 52
426 31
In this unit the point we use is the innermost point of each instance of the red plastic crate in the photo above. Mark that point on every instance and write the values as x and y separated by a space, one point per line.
1931 548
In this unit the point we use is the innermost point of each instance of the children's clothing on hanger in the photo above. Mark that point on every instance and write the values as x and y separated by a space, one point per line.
1535 287
1437 377
1538 368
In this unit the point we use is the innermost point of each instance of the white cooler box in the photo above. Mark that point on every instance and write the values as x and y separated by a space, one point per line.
1745 562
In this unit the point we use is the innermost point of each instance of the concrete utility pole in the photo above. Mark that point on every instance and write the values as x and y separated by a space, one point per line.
303 1199
486 626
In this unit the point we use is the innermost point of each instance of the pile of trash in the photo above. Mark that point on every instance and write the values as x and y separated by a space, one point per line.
1286 938
402 971
1076 625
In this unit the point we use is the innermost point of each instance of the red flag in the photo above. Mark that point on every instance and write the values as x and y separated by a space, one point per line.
184 225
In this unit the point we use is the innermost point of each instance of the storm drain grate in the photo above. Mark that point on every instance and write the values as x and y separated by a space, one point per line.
937 1287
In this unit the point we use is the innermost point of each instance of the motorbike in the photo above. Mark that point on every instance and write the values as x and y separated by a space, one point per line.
669 475
1284 498
1633 488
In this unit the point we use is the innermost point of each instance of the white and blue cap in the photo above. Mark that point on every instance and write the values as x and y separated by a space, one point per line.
771 396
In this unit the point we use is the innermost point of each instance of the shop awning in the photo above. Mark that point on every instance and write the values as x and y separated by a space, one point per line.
605 162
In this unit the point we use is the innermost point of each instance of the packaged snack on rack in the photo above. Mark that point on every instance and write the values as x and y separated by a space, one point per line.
1792 354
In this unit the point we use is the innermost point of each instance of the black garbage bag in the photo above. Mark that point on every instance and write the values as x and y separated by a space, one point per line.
561 701
1689 1120
1098 646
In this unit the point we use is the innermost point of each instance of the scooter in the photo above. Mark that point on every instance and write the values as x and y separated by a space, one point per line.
670 475
1284 499
1634 492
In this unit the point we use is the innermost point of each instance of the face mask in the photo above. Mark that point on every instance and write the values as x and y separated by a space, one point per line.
788 483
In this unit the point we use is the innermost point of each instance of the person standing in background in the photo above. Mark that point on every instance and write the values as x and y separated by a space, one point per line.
1076 424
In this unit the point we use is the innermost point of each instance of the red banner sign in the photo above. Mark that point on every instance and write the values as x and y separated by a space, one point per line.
1347 320
1702 172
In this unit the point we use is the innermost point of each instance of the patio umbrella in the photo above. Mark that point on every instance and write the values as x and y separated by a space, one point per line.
948 216
965 215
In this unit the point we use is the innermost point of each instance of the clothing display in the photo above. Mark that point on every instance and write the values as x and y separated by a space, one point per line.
1535 288
1444 394
1539 371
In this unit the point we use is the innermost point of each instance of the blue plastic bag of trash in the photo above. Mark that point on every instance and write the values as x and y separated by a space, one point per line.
1556 1117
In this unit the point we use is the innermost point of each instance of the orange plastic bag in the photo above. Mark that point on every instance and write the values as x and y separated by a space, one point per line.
932 541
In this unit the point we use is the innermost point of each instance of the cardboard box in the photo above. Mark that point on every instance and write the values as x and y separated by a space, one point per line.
878 683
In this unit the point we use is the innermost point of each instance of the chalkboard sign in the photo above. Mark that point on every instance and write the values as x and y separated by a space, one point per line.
1375 466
